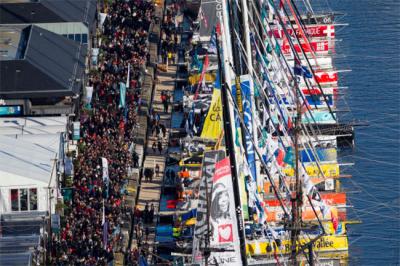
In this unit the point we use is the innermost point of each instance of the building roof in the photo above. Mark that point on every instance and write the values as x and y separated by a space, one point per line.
41 64
47 11
24 163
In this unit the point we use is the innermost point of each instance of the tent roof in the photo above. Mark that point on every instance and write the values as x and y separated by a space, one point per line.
33 126
34 121
25 163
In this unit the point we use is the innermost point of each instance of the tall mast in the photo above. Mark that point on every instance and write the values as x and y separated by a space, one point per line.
297 195
228 124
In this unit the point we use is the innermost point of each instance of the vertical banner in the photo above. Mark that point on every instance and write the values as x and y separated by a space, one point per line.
202 219
248 120
213 126
122 94
106 178
76 126
239 151
88 94
225 236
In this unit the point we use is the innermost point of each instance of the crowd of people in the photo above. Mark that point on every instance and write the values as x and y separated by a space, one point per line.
92 229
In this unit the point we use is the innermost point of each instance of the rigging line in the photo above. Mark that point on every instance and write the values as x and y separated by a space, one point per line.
369 154
258 154
378 205
383 188
376 161
317 162
277 58
366 191
295 53
381 138
256 149
311 149
379 215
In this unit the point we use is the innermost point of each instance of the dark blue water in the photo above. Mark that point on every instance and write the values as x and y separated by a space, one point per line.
371 44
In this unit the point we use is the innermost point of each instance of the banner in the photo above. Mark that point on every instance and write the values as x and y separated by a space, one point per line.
106 178
102 18
240 160
89 94
223 218
76 132
122 94
248 120
104 164
311 30
209 12
202 221
324 244
212 127
95 56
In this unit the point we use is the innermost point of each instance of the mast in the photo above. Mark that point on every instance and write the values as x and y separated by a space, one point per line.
297 195
228 124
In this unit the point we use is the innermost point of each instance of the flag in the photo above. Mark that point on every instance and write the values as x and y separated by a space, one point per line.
122 94
202 76
212 49
128 77
213 125
289 157
103 220
300 70
142 261
334 219
195 61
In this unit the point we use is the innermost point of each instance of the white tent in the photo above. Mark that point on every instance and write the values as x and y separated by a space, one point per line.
33 125
25 167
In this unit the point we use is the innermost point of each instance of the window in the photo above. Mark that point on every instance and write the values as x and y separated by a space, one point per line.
70 36
33 199
84 38
14 200
24 199
78 37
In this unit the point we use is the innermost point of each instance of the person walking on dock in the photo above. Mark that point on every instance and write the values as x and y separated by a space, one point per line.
159 145
157 170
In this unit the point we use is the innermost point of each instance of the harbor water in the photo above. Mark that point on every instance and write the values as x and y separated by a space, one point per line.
371 45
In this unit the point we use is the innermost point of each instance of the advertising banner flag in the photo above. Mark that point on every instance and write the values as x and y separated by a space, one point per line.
213 124
224 236
202 221
122 94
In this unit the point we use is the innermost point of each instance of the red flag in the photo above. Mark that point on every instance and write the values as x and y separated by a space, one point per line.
290 124
218 29
203 73
280 157
334 219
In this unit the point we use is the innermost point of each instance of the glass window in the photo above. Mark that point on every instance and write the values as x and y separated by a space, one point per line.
70 36
33 199
24 199
84 39
78 37
14 200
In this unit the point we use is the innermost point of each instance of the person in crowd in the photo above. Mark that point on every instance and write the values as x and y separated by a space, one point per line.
159 145
151 214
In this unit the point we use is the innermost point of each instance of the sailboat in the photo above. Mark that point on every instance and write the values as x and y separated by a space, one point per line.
289 236
268 187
